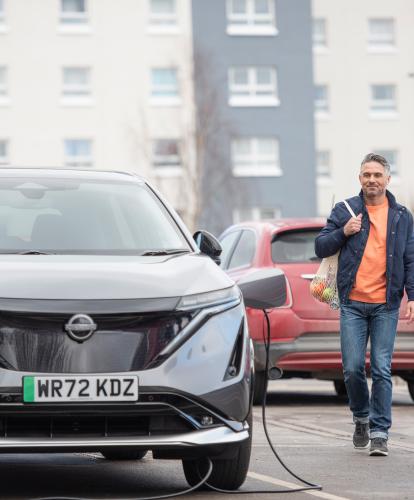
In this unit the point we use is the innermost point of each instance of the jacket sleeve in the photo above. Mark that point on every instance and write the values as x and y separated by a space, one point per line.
409 260
332 236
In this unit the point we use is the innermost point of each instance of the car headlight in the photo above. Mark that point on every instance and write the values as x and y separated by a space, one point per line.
209 299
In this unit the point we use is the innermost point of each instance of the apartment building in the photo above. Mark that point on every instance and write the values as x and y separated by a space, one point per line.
364 94
210 100
97 84
260 61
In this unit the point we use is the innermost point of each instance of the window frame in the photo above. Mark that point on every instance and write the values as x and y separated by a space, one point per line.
251 26
82 93
81 24
391 105
156 27
254 169
249 94
256 214
320 41
165 169
5 159
328 174
381 42
3 22
322 110
85 161
165 100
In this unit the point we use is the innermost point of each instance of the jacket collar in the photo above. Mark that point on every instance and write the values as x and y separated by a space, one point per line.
391 199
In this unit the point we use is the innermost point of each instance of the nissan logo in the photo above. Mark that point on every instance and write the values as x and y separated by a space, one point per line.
80 327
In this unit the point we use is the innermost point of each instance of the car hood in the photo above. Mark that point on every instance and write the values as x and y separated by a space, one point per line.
80 277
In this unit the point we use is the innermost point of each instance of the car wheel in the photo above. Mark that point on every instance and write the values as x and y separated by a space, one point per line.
410 385
259 388
124 454
227 474
340 388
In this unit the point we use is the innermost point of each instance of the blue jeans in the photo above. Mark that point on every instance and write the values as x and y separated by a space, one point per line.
360 321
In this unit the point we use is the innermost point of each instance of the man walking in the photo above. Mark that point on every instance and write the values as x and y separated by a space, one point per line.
376 262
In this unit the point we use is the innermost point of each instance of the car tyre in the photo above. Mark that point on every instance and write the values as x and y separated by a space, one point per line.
340 388
410 385
227 474
259 388
124 454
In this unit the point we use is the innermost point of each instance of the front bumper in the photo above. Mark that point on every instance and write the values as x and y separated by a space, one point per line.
209 439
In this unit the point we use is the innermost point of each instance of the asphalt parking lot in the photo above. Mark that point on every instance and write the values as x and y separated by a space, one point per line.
309 425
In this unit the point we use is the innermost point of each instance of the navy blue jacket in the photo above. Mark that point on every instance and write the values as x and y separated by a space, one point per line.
400 248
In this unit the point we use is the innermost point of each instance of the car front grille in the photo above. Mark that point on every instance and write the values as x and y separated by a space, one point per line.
84 426
38 342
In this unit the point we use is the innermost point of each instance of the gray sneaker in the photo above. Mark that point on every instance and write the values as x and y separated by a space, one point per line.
361 435
379 447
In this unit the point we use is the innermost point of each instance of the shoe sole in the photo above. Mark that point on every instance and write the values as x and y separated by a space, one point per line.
378 453
362 447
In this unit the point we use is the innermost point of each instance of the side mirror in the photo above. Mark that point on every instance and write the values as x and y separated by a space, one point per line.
264 289
208 244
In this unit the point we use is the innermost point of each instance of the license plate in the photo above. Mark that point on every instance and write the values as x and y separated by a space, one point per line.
79 388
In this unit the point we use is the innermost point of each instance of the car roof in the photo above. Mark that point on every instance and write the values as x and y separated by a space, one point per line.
70 173
282 224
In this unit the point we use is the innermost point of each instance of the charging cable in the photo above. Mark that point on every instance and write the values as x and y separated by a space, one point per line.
157 497
310 486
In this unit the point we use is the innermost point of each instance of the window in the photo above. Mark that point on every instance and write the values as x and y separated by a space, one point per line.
87 217
163 13
166 156
3 82
321 99
381 34
391 156
2 15
4 152
255 86
255 156
319 32
73 12
78 153
323 164
295 246
255 17
256 213
164 85
227 244
76 82
245 249
383 98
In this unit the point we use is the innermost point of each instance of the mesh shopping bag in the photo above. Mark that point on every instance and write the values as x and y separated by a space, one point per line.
323 286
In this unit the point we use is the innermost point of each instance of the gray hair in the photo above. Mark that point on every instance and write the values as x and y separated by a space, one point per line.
379 159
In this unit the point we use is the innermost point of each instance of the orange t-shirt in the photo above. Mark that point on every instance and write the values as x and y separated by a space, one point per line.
370 282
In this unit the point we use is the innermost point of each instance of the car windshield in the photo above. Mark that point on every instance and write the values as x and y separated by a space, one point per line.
295 246
43 215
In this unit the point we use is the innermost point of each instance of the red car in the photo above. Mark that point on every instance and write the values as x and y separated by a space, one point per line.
304 332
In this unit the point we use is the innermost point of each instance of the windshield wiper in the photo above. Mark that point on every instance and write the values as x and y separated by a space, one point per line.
171 251
35 252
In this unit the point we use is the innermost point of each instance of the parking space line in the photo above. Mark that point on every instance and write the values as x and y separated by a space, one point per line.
293 486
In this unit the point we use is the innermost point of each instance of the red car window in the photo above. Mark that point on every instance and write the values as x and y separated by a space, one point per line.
295 246
244 251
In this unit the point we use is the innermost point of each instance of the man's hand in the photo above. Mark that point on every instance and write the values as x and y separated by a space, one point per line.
353 225
410 311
